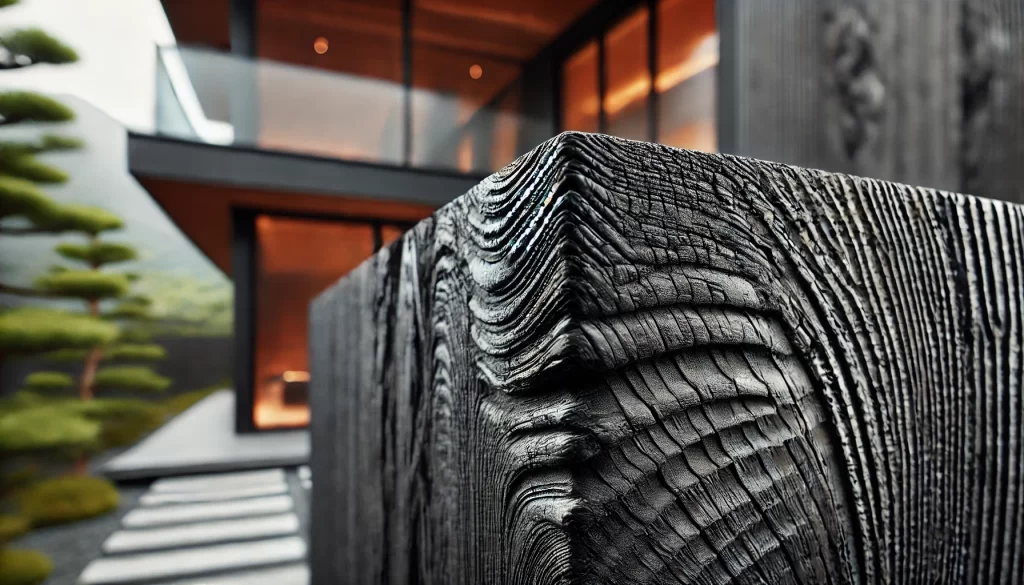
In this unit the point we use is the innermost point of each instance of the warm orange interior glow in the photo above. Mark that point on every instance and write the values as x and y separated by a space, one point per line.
296 259
476 71
320 45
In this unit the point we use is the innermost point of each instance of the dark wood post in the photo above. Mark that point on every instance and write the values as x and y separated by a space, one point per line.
615 362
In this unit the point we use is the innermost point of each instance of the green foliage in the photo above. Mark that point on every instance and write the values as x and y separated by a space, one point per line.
32 330
188 307
30 168
44 428
135 335
48 381
130 378
27 106
6 3
24 567
38 46
19 197
135 351
67 355
12 527
128 310
71 217
97 253
67 499
123 351
84 284
51 142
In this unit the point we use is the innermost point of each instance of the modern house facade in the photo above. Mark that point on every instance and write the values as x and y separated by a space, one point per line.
294 139
360 118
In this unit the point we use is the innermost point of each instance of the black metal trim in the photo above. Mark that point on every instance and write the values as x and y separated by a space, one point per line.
243 275
602 83
242 27
252 168
407 82
652 69
727 77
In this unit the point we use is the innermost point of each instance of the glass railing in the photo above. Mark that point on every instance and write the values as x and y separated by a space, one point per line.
220 98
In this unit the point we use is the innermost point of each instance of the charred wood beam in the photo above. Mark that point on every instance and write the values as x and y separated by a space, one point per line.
616 362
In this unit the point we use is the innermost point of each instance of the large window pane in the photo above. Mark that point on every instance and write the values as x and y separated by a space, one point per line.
579 90
296 260
687 60
628 77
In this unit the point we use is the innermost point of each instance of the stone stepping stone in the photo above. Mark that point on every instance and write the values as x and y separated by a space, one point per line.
206 511
164 498
164 565
288 575
218 481
130 541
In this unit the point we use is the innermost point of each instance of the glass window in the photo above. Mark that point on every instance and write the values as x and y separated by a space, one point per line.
628 79
460 64
292 269
579 90
687 62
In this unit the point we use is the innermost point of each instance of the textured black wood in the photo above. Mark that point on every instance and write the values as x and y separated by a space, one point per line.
918 91
614 362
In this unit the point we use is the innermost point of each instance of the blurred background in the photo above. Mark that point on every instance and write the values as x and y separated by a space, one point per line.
179 178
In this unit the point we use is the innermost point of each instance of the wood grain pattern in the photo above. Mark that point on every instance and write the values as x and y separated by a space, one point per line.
918 91
615 362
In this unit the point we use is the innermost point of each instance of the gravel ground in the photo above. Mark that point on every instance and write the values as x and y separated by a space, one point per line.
72 546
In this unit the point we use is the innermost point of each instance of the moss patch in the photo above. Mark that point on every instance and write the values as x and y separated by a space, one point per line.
67 499
24 567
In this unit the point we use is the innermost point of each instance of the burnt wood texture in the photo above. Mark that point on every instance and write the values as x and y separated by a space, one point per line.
617 362
919 91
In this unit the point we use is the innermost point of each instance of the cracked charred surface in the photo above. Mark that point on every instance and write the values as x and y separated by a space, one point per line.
616 362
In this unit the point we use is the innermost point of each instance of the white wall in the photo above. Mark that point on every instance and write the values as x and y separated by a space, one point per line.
115 40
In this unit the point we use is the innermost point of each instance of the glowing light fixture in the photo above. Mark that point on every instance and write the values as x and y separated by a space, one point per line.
295 376
320 45
476 71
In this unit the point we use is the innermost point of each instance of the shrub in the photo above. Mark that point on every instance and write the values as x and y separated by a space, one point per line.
30 330
97 253
48 381
19 197
84 284
12 527
29 167
80 218
45 427
37 46
24 567
67 499
130 378
27 106
135 351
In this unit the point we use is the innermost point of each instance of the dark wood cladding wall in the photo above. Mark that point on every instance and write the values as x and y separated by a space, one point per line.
615 362
924 92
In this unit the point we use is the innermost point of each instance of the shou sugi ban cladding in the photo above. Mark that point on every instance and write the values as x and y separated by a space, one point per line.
617 362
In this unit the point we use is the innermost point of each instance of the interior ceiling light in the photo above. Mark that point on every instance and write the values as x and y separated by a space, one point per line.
476 71
320 45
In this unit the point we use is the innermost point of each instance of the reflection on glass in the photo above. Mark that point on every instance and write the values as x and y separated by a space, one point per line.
687 56
458 70
292 268
579 90
628 77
